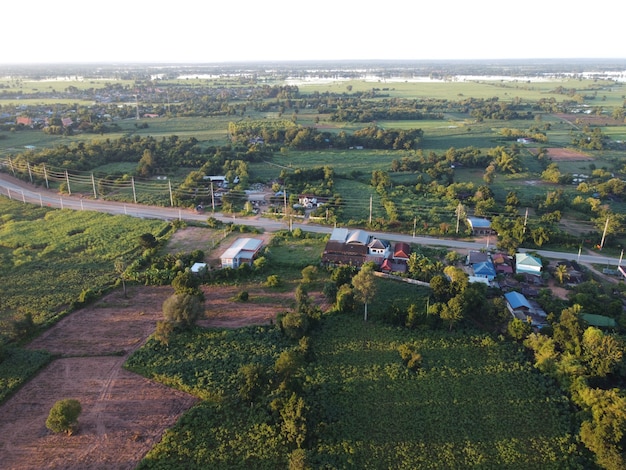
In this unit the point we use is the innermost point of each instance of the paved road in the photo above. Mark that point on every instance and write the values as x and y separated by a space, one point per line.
22 191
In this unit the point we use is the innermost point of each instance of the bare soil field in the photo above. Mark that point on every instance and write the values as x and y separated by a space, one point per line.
564 154
124 414
580 119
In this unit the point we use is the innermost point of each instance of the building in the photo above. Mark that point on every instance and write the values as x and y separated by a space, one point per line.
479 226
355 248
527 264
242 251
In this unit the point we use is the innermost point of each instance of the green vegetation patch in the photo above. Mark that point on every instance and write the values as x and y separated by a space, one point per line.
17 366
50 257
473 402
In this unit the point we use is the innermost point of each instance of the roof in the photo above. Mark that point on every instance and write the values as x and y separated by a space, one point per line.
484 269
339 235
599 320
197 267
517 300
402 250
359 237
242 244
478 222
377 243
477 257
527 260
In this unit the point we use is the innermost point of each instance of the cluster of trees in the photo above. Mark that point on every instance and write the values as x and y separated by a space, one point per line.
288 134
588 363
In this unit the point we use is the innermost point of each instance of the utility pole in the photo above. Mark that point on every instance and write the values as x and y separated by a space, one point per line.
371 209
525 221
606 226
212 197
415 226
459 210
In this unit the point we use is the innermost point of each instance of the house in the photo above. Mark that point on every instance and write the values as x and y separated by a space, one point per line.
474 257
485 269
517 302
527 264
355 248
599 321
242 251
479 226
503 263
401 251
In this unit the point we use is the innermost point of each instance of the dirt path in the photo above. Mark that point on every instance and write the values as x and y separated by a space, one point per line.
124 414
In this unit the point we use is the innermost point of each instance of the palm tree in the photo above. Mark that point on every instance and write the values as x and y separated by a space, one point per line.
561 273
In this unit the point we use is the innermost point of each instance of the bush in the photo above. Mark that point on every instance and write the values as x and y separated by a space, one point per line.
183 309
273 281
63 416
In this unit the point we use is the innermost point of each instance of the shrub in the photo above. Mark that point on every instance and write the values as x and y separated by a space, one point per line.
63 416
182 309
242 296
273 281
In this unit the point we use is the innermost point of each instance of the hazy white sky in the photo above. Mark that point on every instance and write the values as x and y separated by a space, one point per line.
229 30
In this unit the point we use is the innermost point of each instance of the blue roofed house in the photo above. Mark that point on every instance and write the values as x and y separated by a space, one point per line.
485 269
479 226
521 308
517 302
527 264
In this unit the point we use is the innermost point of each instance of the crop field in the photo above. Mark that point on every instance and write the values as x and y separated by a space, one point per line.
475 402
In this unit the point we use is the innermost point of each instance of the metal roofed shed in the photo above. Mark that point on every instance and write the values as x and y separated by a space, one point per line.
243 250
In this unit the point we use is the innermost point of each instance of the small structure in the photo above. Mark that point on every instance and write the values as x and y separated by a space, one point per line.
199 268
479 226
243 250
527 264
503 263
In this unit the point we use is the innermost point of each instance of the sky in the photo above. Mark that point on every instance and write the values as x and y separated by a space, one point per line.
73 31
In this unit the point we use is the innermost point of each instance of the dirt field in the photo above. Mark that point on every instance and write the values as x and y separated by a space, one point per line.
124 414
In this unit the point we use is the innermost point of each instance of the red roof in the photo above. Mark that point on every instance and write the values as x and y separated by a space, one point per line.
402 250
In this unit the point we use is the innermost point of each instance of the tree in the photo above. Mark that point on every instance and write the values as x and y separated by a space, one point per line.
452 311
309 274
561 273
602 353
183 309
147 241
365 286
120 269
251 378
63 416
518 329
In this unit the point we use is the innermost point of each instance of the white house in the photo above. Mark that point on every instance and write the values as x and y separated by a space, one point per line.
525 263
243 250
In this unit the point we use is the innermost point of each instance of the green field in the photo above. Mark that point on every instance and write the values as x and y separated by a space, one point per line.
50 257
475 403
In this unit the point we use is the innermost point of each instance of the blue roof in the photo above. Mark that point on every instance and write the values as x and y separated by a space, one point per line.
485 268
516 300
479 222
